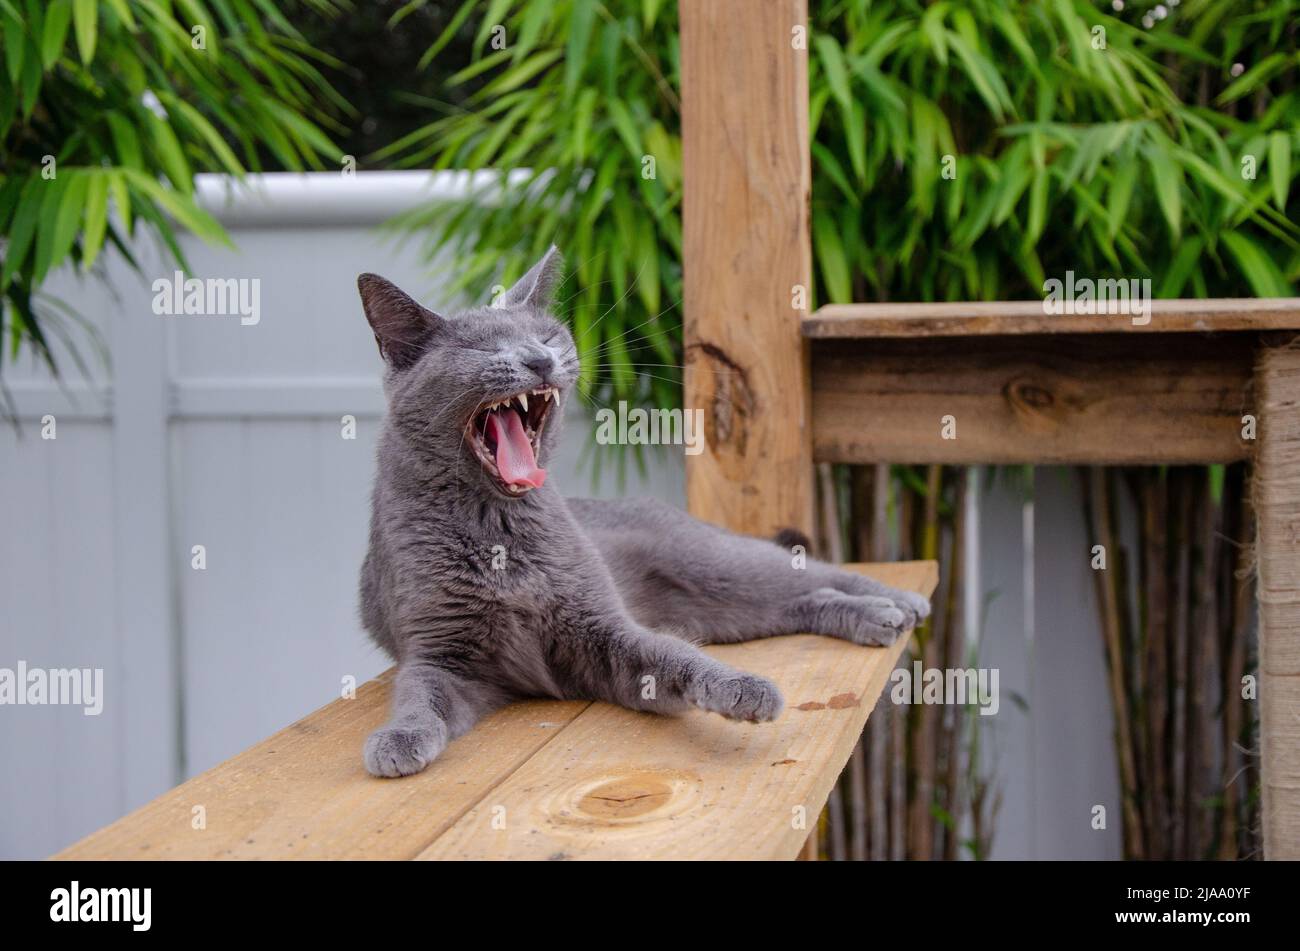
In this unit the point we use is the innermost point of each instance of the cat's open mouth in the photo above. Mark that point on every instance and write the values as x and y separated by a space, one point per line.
506 437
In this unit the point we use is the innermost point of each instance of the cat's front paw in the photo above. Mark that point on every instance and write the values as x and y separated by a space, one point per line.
915 607
742 696
401 751
877 622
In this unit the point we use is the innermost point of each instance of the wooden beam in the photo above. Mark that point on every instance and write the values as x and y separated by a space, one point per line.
1277 507
987 318
542 779
747 253
1118 399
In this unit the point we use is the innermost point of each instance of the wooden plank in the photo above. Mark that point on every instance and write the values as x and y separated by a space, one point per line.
1276 500
622 785
746 250
1103 399
992 318
304 794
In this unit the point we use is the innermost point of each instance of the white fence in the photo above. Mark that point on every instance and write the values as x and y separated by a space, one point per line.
213 433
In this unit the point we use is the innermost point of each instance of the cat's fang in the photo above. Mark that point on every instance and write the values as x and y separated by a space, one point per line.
523 401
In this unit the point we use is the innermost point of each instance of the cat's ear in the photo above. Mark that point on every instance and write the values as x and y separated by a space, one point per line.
402 326
535 288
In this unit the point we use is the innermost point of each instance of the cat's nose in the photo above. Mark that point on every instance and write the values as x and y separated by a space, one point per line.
542 363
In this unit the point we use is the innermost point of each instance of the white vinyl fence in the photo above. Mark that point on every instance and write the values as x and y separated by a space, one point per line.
227 435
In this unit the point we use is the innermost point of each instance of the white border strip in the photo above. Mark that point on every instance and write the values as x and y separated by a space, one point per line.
315 199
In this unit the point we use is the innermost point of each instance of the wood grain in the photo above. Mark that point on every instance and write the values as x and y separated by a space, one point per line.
304 794
1277 548
593 780
746 248
1095 400
992 318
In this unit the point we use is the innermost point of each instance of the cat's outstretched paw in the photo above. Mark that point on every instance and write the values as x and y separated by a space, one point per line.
741 696
870 620
401 751
876 622
915 607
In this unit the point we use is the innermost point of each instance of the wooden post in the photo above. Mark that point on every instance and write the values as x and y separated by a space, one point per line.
1277 506
748 260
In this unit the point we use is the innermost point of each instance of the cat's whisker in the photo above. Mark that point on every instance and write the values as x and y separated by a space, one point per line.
589 330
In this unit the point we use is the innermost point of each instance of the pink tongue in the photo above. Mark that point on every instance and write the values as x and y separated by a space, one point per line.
515 459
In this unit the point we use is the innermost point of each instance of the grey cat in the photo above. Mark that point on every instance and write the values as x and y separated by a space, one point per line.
485 585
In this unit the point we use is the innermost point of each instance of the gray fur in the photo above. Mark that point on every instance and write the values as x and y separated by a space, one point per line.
593 600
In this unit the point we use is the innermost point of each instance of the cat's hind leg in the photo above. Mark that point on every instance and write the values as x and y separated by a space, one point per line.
687 577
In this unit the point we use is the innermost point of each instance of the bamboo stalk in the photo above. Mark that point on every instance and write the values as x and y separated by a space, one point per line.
1155 687
906 504
926 718
880 484
857 818
832 541
881 721
1180 597
1234 669
1097 506
832 547
897 783
906 727
954 649
860 510
1129 678
862 807
836 831
1137 613
1200 673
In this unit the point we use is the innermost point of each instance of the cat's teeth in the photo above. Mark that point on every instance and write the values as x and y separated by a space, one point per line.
523 401
548 394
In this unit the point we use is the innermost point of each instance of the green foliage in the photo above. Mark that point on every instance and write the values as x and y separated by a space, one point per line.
1125 161
581 94
118 104
1078 140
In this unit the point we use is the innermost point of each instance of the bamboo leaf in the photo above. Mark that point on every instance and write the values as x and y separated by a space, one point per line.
63 205
58 17
1121 193
23 228
168 149
933 30
1279 167
1186 259
125 141
85 16
837 74
575 57
1167 176
830 255
1264 277
96 218
121 199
